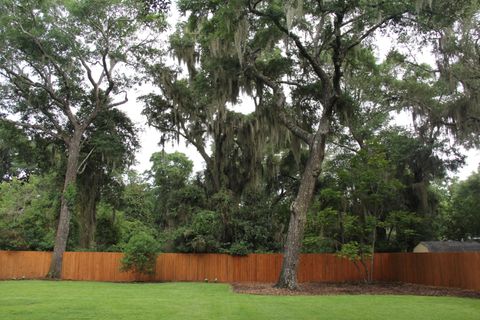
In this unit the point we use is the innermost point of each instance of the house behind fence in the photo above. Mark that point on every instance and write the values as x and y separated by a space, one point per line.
447 246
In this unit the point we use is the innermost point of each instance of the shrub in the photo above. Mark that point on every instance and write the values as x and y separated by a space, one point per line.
359 254
140 254
239 249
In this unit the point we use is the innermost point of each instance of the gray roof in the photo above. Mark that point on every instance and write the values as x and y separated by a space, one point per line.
451 246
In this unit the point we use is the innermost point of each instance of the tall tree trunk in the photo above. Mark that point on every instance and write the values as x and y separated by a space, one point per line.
299 208
213 174
88 192
66 203
372 258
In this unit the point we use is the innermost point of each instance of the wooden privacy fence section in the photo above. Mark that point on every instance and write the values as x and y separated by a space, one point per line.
460 270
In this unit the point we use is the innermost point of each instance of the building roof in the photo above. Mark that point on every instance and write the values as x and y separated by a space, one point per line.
451 246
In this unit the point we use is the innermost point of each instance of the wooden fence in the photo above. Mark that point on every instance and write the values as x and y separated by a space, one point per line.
460 270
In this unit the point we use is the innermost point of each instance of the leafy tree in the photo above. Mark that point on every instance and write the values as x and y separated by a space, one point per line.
51 54
205 232
108 227
196 109
370 192
324 229
137 200
258 224
22 155
28 213
461 219
170 171
192 221
359 254
140 254
403 230
15 152
176 198
458 69
108 149
421 155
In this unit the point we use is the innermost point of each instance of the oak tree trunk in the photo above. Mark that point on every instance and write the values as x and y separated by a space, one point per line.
88 193
299 208
65 206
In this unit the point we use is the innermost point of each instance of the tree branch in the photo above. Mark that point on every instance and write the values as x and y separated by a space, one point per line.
344 146
43 109
65 103
80 170
37 127
187 137
326 84
371 30
119 103
304 135
89 72
108 72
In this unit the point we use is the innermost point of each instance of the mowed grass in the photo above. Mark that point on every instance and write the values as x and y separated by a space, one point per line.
98 300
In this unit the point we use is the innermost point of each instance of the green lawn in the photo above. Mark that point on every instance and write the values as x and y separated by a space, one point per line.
96 300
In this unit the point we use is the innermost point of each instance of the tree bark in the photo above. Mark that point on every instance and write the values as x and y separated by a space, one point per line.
372 258
66 203
88 192
299 208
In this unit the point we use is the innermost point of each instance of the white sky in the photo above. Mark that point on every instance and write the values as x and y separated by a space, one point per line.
149 137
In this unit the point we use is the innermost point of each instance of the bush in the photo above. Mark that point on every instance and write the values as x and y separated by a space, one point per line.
360 255
239 249
140 254
108 230
205 232
128 229
318 244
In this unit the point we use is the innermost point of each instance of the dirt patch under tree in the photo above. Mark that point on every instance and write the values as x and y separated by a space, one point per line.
377 288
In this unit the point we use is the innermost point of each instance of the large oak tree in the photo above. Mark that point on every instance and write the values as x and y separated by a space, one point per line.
315 42
62 64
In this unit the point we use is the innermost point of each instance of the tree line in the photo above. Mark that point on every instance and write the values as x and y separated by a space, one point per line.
318 166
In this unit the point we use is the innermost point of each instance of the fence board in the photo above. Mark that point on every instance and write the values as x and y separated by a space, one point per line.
24 264
460 270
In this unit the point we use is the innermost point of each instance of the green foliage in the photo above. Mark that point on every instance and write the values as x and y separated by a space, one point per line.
140 254
359 254
16 151
205 232
70 195
28 213
354 251
256 223
108 227
137 202
239 249
175 197
461 216
318 244
322 228
129 229
403 229
227 227
170 170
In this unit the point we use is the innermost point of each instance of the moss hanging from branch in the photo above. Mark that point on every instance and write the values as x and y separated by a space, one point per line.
183 48
293 11
240 38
